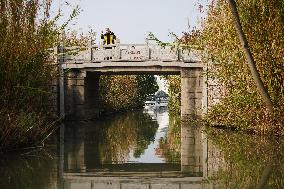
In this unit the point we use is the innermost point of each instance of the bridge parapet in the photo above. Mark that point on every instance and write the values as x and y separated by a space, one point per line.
130 53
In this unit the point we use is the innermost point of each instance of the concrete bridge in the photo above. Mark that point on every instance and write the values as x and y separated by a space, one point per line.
81 68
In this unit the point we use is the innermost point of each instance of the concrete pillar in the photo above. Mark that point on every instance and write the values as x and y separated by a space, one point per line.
191 150
191 92
75 94
81 94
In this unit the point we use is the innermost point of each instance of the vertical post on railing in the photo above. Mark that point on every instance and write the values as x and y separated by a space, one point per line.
91 49
60 61
120 51
149 49
150 53
179 54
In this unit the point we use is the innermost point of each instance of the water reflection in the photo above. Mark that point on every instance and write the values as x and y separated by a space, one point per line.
238 160
169 144
91 144
138 150
127 149
37 170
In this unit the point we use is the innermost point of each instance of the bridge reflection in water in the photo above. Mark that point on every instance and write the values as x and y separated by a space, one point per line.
109 154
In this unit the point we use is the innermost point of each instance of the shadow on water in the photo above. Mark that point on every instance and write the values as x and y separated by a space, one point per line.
147 150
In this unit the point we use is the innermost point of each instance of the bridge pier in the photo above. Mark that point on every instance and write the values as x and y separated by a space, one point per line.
193 106
191 92
81 94
191 150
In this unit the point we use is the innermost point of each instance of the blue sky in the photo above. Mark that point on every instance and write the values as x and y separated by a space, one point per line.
131 20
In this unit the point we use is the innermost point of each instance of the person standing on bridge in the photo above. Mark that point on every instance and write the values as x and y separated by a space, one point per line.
108 37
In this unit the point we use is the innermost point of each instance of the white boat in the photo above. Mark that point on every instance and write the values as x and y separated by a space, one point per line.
150 105
162 102
155 104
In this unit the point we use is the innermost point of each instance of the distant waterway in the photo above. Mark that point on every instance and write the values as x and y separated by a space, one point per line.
142 150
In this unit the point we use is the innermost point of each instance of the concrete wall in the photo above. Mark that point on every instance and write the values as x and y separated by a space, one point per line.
82 93
198 94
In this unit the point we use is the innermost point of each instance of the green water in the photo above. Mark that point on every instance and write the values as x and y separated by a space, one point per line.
146 150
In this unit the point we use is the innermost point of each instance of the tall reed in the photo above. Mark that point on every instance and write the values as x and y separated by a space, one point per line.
26 32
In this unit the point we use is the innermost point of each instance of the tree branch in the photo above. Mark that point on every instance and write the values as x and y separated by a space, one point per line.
250 59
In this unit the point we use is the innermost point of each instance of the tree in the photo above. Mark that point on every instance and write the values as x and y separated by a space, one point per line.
249 56
242 104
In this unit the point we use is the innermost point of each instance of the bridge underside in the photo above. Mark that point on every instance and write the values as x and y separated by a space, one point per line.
82 85
137 67
122 71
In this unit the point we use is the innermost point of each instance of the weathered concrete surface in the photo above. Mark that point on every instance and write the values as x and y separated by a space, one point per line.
81 95
193 150
198 94
73 181
191 92
136 52
134 67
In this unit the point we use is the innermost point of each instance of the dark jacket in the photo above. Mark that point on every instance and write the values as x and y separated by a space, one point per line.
108 38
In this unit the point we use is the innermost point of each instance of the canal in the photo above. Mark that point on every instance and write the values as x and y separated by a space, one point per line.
146 150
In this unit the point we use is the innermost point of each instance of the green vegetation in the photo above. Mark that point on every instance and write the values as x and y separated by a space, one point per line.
126 92
27 73
26 32
242 105
239 160
174 90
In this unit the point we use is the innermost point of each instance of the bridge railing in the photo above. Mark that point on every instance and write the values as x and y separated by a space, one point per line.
129 52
